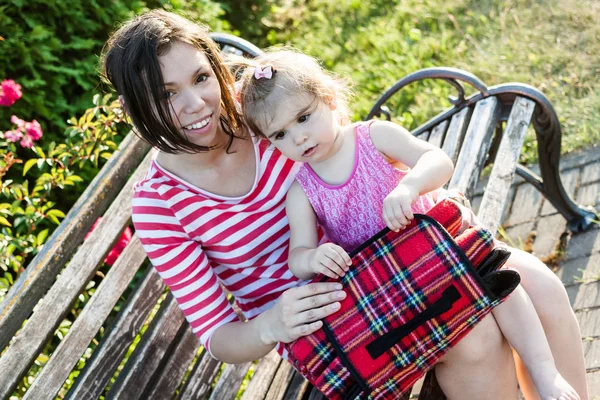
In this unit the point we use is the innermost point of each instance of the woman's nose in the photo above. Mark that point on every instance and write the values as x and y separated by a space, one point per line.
194 101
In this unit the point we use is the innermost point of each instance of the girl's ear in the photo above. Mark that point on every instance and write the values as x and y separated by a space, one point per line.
331 98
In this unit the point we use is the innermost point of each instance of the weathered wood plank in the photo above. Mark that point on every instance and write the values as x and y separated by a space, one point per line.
35 334
87 324
505 164
201 378
41 272
146 359
475 145
113 347
298 388
280 382
169 379
263 376
316 395
230 381
456 133
437 134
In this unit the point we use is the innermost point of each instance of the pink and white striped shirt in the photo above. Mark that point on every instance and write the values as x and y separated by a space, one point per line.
196 240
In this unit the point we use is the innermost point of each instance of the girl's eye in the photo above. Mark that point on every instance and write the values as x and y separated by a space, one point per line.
168 94
303 118
201 78
279 135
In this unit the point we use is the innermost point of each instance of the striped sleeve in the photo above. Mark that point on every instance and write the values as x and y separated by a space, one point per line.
181 263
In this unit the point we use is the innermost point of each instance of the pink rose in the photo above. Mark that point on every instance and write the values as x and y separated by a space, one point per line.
10 91
33 129
17 121
13 136
26 142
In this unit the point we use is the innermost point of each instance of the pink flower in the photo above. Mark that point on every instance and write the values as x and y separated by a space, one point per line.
13 136
118 248
33 130
27 132
10 91
26 142
17 121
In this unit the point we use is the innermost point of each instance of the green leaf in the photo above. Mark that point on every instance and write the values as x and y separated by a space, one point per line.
56 212
28 165
4 221
41 237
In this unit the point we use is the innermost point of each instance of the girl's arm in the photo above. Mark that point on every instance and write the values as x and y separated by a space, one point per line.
430 169
306 258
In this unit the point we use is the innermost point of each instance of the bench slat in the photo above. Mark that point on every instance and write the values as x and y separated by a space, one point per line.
298 387
503 171
113 347
201 378
137 375
169 378
87 324
263 376
456 133
475 145
55 305
281 382
230 381
41 272
437 134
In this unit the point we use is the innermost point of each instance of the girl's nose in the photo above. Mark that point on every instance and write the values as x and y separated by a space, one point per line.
301 137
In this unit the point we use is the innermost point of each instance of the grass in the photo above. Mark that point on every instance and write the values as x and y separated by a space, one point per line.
551 45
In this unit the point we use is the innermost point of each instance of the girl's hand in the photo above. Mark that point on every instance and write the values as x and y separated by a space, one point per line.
299 310
331 260
397 212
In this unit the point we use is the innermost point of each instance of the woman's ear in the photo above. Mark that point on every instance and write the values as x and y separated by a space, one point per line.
123 107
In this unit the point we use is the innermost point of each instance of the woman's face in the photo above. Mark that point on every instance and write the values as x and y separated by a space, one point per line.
194 93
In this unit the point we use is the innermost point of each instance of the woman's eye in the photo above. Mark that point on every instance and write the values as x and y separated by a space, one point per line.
303 118
168 94
201 78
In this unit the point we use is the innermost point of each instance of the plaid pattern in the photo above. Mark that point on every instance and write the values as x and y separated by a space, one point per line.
395 283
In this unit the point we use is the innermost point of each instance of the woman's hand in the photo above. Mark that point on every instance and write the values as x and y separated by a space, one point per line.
299 310
331 260
397 211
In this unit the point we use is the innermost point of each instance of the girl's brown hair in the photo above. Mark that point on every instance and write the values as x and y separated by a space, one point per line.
295 72
131 66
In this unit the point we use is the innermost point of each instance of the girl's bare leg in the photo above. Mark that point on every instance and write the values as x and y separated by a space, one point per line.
550 300
479 367
521 326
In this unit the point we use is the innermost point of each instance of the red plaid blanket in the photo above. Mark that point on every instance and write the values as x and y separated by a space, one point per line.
411 296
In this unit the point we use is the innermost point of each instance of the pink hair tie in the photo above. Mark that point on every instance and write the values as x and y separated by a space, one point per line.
266 72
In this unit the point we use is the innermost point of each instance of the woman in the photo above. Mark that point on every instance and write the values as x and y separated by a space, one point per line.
211 209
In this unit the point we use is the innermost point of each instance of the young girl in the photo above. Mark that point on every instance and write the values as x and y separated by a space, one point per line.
357 179
210 213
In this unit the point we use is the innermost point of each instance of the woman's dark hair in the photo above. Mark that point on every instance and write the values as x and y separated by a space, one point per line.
131 66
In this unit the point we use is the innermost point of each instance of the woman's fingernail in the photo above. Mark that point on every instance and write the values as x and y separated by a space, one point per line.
341 295
335 306
338 286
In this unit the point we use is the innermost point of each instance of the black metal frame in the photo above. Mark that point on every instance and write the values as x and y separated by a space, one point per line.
545 121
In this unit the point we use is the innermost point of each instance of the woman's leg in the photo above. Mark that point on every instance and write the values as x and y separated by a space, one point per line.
480 366
550 300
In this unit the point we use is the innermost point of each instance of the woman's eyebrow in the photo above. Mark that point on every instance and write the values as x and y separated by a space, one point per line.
298 114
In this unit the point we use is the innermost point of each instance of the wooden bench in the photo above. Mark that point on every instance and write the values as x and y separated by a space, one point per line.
167 360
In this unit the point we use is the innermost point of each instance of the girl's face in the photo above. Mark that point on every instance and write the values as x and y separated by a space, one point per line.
194 93
304 128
